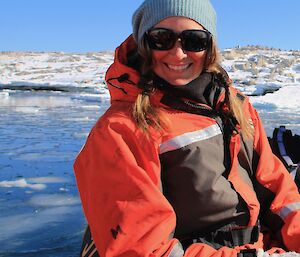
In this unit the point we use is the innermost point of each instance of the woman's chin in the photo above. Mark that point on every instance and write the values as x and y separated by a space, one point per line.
179 81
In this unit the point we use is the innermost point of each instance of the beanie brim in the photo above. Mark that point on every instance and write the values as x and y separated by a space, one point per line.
152 12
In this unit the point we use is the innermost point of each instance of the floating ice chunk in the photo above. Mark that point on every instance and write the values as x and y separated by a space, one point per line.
48 200
259 89
22 183
63 189
17 224
36 100
46 180
4 94
285 98
27 110
80 135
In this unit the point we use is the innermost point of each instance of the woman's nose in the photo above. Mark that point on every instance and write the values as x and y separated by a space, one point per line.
177 50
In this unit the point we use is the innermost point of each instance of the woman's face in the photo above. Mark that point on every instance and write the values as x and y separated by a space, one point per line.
177 66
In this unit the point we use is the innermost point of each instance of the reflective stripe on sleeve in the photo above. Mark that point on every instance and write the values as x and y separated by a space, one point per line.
190 137
285 211
177 251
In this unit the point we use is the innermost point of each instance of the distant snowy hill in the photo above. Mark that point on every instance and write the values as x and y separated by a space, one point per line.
258 70
54 71
255 70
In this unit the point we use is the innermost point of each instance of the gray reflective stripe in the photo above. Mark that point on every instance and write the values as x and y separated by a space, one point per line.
285 211
177 251
190 137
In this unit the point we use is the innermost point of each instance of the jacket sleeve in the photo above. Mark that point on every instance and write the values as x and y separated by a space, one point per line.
272 174
118 176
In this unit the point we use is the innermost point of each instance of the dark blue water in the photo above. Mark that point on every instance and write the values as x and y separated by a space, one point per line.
40 136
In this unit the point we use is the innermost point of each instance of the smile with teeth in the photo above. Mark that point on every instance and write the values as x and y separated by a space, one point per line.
178 67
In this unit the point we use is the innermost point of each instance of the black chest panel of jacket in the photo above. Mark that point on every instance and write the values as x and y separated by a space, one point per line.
193 182
194 177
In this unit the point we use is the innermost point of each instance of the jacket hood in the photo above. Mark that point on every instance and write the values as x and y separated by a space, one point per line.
120 78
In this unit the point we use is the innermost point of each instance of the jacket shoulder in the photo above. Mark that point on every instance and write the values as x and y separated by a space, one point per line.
119 113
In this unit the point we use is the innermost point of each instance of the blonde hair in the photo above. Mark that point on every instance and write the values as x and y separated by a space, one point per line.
146 115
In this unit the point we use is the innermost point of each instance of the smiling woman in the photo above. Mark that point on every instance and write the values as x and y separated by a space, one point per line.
180 165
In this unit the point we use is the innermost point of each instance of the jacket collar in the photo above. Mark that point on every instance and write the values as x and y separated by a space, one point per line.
205 89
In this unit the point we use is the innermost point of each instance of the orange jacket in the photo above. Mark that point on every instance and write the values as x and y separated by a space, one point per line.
118 173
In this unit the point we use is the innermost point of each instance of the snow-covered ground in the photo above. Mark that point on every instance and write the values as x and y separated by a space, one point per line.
49 102
271 77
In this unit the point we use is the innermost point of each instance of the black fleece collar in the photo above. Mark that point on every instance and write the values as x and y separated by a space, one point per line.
205 89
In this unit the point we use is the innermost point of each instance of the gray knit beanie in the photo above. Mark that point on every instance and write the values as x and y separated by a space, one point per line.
153 11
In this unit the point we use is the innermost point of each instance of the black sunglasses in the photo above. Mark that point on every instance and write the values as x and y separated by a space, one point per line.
192 40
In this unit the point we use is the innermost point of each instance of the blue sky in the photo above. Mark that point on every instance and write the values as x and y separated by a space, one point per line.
97 25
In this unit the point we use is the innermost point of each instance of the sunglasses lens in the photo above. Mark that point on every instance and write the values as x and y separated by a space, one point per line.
161 39
195 40
191 40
